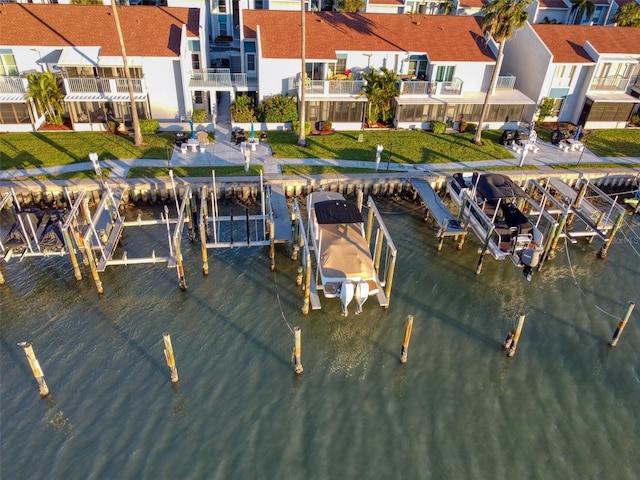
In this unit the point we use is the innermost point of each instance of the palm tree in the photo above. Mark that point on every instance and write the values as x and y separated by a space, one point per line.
628 15
137 134
350 5
501 19
302 140
446 7
44 90
579 8
381 87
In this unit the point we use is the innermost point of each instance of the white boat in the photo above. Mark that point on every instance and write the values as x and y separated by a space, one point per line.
344 262
493 201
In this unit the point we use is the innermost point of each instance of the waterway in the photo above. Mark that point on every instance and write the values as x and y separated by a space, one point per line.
566 406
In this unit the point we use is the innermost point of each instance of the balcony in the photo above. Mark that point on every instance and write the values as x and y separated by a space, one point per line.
13 85
420 87
217 78
505 82
103 88
616 83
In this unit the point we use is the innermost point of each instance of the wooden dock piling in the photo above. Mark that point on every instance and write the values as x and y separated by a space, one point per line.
272 245
168 354
297 349
35 368
511 343
622 324
616 226
307 286
483 252
405 342
87 248
72 253
203 229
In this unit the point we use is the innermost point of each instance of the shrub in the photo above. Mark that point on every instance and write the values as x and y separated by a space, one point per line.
327 126
438 127
635 119
113 126
545 109
295 126
463 126
471 127
149 126
277 109
199 116
242 109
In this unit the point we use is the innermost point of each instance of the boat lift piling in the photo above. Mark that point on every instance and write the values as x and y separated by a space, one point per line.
404 352
203 229
297 350
622 324
168 355
35 368
511 343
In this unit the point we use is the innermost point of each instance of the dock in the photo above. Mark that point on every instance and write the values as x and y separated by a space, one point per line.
280 213
448 224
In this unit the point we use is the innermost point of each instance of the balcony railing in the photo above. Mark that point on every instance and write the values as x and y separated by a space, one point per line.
418 87
506 82
613 83
216 78
13 85
103 85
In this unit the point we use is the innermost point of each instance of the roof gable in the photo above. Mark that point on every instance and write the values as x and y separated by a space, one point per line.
147 31
445 38
566 42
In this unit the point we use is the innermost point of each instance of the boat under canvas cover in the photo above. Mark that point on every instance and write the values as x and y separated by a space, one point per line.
27 222
493 186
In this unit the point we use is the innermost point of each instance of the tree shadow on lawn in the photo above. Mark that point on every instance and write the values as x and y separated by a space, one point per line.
21 158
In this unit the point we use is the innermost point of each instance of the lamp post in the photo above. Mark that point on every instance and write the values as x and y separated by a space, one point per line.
584 146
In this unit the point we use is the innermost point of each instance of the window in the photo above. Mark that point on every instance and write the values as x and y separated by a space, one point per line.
418 66
251 62
557 106
315 71
341 64
420 113
8 66
222 8
14 113
610 112
563 75
197 97
194 45
505 113
222 25
334 111
195 61
444 73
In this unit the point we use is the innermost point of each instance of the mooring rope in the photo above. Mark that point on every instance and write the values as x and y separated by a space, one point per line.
575 280
275 281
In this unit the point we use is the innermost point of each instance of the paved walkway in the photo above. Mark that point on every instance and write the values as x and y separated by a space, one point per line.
224 152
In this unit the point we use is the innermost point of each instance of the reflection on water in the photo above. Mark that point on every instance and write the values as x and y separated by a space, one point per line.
566 406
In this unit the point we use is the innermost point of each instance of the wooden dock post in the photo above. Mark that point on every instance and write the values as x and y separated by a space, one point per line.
179 267
72 253
272 245
35 368
203 229
511 342
87 247
168 354
547 245
295 225
188 218
405 342
369 226
297 350
485 246
616 226
622 324
307 286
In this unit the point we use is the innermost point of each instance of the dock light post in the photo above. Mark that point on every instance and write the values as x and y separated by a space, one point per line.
93 156
584 146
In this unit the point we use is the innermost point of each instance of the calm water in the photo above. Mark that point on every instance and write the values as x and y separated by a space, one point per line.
566 406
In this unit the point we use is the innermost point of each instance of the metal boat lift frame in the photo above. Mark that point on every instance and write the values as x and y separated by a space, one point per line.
308 262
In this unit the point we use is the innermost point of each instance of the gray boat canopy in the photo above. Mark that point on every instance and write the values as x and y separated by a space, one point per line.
493 186
337 211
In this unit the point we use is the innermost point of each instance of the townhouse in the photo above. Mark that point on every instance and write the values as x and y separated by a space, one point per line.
444 64
79 43
592 72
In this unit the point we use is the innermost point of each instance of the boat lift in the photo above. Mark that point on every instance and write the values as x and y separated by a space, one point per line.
472 216
577 215
382 242
270 226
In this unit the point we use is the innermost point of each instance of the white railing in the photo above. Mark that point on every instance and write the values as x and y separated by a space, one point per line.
216 77
506 82
614 82
102 85
13 85
417 87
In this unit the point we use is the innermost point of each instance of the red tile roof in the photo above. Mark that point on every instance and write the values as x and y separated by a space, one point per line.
472 3
559 4
566 41
443 38
147 31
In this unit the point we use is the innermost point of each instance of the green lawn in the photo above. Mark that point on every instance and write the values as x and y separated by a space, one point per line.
614 143
33 150
323 170
404 146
